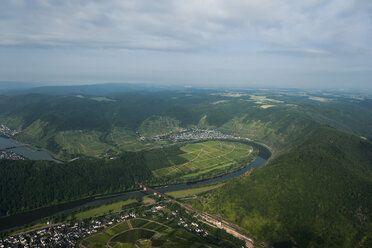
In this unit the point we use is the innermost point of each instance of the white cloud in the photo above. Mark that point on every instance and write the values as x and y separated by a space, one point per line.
312 25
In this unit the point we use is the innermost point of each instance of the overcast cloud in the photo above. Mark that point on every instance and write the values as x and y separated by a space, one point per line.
241 42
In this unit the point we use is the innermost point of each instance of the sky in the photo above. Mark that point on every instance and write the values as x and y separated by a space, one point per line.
248 43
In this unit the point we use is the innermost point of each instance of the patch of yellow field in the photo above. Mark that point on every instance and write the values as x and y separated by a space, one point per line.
233 94
147 200
263 99
222 101
319 99
266 106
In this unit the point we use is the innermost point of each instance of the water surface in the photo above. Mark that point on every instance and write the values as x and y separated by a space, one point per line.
25 151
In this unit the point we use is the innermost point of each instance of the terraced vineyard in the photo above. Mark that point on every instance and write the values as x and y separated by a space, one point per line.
208 157
143 233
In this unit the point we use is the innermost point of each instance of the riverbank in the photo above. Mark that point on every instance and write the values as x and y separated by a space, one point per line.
25 151
37 215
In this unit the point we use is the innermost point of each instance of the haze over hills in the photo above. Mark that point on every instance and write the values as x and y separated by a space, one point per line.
89 89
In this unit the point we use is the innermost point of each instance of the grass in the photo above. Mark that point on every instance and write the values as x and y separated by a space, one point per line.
132 236
159 125
102 99
205 157
194 191
101 210
148 200
124 139
96 144
36 226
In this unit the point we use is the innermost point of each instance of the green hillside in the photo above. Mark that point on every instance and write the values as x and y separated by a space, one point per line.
317 195
27 185
77 126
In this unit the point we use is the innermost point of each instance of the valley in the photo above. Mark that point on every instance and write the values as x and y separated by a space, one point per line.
318 159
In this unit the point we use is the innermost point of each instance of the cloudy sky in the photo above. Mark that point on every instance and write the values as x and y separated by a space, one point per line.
280 43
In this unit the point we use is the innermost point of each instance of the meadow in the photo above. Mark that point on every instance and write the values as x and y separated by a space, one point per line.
103 209
193 191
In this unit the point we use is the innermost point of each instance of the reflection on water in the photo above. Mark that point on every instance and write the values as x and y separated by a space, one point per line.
25 151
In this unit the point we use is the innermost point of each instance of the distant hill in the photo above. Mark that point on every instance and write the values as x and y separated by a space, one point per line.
318 194
91 89
6 87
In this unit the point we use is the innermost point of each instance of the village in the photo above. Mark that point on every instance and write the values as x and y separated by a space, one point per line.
7 132
192 134
70 233
10 155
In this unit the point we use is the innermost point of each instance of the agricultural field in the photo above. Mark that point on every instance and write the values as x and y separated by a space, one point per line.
124 139
82 142
143 233
96 143
101 210
159 125
208 157
193 191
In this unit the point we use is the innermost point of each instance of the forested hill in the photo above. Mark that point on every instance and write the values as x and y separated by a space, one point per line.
26 185
319 194
71 126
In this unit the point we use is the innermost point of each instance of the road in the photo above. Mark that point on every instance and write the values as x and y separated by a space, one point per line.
9 148
215 221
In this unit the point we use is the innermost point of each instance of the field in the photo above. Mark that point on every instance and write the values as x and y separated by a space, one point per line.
189 192
159 125
96 143
82 142
143 233
104 209
124 139
205 157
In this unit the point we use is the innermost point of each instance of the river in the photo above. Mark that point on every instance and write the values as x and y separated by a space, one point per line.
34 216
25 151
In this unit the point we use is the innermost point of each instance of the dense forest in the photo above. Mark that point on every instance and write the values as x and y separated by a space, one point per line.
26 185
319 194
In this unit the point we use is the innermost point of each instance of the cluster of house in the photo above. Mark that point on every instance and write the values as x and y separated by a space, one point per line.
193 134
10 155
192 227
61 235
200 134
6 131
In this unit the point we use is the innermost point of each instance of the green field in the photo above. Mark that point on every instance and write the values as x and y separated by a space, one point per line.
124 139
96 143
159 125
100 239
189 192
82 142
102 99
143 233
205 157
101 210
